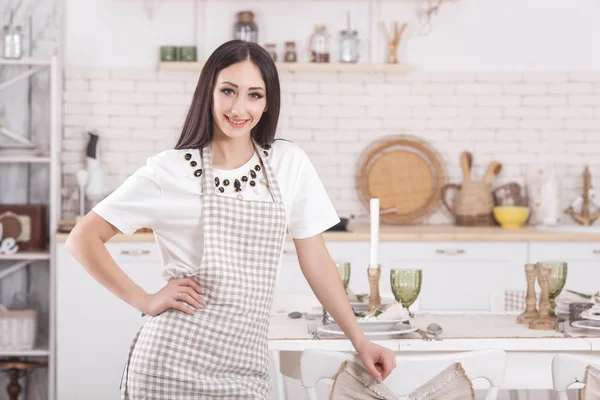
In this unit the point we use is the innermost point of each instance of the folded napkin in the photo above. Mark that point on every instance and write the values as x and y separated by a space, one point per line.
394 311
570 296
591 388
352 297
353 382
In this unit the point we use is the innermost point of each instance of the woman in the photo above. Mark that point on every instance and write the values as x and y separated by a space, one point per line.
219 205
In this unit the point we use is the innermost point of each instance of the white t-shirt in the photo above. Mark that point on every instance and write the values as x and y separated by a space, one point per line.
164 195
258 192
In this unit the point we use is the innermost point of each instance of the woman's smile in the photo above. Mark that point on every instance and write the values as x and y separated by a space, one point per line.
236 122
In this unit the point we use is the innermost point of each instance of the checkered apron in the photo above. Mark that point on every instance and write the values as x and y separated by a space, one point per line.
221 351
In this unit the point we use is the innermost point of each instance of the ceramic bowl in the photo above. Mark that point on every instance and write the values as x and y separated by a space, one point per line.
511 217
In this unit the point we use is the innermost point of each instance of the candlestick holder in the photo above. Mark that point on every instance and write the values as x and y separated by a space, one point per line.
531 311
374 274
545 321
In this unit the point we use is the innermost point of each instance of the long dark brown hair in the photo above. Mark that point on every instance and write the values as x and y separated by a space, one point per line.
198 127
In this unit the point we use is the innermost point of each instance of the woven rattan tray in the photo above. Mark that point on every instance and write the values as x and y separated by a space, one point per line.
405 173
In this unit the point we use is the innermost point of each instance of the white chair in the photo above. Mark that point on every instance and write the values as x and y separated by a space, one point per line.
568 369
410 372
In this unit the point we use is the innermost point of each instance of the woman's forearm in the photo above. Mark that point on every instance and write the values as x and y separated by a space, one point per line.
324 279
90 251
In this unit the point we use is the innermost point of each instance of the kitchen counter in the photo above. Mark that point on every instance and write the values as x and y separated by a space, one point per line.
433 233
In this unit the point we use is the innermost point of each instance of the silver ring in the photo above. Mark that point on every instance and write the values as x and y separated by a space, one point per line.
178 296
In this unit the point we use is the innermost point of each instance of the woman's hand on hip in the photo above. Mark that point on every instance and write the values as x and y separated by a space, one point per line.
173 295
378 360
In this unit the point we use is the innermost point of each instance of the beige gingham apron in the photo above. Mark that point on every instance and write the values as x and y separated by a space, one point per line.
221 351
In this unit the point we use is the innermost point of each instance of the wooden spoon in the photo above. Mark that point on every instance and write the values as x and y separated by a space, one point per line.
466 162
493 170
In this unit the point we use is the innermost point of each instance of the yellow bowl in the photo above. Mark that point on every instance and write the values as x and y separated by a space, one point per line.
511 217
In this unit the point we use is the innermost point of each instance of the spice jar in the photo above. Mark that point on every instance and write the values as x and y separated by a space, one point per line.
349 46
319 45
290 52
245 28
272 50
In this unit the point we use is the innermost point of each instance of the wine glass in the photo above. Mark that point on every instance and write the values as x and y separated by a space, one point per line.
558 278
406 286
344 270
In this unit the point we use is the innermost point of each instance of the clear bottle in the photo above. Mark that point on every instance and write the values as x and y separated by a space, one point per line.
245 28
272 50
7 42
319 45
290 52
18 42
349 46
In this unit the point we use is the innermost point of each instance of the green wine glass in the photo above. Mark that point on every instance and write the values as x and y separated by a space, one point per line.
344 270
406 286
558 278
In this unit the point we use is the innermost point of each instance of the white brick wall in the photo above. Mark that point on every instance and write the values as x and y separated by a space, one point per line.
521 119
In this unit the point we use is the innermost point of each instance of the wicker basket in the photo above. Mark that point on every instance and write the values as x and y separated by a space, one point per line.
18 329
473 203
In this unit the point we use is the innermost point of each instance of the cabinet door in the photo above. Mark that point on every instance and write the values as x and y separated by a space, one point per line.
94 327
457 276
583 261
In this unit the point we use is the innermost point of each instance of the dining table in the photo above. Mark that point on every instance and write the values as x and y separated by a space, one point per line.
529 352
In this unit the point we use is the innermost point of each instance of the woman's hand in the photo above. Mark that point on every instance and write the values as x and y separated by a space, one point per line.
172 295
378 360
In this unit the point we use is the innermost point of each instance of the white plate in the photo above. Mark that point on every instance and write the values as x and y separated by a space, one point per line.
587 315
587 324
379 326
397 329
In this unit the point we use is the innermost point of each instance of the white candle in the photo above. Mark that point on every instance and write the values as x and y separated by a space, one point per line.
374 232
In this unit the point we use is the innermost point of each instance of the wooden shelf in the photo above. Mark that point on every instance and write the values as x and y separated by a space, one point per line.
299 67
26 158
26 61
26 255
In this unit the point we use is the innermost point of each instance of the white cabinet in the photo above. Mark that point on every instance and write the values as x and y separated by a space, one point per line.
95 328
583 262
457 276
291 279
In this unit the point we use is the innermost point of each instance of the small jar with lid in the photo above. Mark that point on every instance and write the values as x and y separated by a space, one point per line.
245 28
349 46
290 52
272 50
319 45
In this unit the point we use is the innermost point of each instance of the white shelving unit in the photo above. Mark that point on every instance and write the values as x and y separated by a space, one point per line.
47 347
16 159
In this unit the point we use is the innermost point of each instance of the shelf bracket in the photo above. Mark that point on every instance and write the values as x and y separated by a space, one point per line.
22 75
14 268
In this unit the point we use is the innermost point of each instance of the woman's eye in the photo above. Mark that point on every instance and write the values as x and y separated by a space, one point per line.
256 95
228 91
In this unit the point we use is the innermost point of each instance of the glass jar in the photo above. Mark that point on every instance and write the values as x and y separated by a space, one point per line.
245 28
272 50
12 42
319 45
290 52
349 46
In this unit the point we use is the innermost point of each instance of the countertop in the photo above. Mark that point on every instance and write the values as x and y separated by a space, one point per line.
434 233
